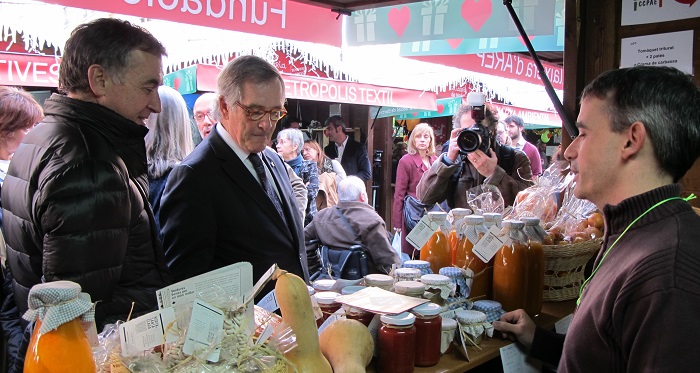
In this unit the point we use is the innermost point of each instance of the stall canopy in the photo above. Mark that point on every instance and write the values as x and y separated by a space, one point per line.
203 78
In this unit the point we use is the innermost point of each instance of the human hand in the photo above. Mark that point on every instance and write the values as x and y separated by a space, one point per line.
516 325
485 164
453 150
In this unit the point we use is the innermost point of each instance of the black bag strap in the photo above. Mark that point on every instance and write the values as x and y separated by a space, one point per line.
347 223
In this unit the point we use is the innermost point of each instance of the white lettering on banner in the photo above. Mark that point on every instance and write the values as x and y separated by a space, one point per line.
196 7
29 72
516 65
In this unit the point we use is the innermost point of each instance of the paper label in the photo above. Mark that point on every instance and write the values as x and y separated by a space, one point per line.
148 331
515 360
562 326
377 300
422 232
235 279
489 245
206 328
316 308
269 302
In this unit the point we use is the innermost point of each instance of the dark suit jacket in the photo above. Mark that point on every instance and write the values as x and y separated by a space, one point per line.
215 213
355 161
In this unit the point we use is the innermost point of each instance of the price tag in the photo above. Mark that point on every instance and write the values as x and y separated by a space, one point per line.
269 302
515 360
562 326
422 232
206 326
147 331
489 245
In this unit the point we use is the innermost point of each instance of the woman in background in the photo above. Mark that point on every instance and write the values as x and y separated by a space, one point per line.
421 154
330 173
290 142
168 142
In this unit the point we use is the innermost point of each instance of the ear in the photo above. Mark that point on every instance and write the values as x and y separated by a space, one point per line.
223 107
98 80
635 138
363 197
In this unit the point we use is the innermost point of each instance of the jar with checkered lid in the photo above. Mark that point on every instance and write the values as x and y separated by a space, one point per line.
422 265
473 326
490 308
58 342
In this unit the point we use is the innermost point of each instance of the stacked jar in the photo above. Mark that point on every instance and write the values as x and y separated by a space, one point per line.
473 326
437 250
510 272
410 288
428 334
327 303
421 265
535 264
407 274
381 281
396 342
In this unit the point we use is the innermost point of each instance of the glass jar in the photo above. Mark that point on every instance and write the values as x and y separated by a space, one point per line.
474 230
323 285
492 309
458 214
381 281
410 288
422 265
438 282
428 334
327 304
359 314
397 343
58 342
510 270
407 274
437 250
449 326
473 326
311 290
535 264
458 278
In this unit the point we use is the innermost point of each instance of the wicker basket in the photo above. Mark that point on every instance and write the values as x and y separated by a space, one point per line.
563 269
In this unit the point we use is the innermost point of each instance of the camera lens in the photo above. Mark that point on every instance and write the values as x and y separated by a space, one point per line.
468 140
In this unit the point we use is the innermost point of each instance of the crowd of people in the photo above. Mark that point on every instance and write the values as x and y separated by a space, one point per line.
115 140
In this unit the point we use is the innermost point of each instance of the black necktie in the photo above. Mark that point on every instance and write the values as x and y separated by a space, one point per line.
267 186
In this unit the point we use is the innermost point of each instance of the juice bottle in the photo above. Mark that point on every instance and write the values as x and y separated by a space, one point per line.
510 271
458 215
473 230
535 261
491 219
437 250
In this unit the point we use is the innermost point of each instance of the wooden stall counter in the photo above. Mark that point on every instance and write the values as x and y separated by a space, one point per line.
490 347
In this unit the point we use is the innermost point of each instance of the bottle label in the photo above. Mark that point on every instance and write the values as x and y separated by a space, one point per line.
489 245
206 326
148 331
422 232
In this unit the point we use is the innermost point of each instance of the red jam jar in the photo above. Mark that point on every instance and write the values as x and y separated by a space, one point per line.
397 343
327 304
428 334
360 315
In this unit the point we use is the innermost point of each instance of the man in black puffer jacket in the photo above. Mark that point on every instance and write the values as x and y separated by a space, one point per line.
75 200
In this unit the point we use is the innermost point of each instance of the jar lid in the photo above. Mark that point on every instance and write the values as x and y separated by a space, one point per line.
437 215
402 319
513 224
492 216
407 272
487 305
427 309
449 324
459 213
434 279
451 272
470 317
326 297
530 220
351 289
323 285
379 280
416 264
474 219
409 287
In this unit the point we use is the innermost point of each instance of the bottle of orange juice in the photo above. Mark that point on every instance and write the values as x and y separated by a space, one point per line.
473 230
58 343
437 250
458 215
510 270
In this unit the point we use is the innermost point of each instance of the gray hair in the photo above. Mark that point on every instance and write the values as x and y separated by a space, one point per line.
169 139
295 136
245 69
350 189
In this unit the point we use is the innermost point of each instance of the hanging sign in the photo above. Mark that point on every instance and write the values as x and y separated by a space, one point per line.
637 12
673 49
533 118
447 19
278 18
445 107
28 70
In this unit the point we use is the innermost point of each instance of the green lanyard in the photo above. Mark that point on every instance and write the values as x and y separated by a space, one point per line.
583 286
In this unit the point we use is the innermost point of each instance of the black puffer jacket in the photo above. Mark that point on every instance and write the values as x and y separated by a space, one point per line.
75 208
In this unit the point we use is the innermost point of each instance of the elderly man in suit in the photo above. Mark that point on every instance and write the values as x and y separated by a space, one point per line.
231 199
351 154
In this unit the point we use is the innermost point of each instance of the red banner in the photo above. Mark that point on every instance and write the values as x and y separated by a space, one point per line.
28 70
537 117
278 18
506 65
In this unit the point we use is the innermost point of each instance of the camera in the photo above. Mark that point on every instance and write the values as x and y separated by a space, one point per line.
479 136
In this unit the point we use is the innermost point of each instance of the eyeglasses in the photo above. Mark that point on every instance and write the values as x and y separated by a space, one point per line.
257 114
199 118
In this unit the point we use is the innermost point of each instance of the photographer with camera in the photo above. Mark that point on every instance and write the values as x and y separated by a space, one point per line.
473 157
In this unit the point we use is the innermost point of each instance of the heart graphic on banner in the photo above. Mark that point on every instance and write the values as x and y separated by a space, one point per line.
399 18
454 43
415 113
176 83
440 108
523 42
476 12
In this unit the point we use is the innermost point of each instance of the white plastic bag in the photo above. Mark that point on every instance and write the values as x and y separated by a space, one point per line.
396 242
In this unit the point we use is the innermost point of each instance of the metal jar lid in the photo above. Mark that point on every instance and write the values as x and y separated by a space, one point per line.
402 319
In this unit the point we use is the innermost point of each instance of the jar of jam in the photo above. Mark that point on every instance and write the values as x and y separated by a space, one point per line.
323 285
358 314
437 250
381 281
397 343
410 288
458 215
407 274
473 326
326 301
474 230
510 270
428 334
449 326
535 264
441 283
419 264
